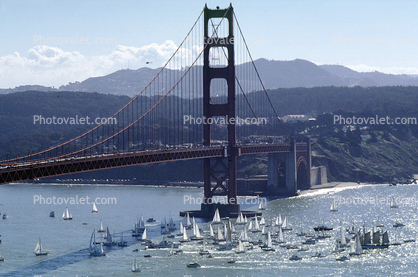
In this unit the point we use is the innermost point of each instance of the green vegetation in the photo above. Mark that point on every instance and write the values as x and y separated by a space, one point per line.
372 153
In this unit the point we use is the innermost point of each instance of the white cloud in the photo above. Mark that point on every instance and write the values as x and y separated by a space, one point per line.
388 70
52 66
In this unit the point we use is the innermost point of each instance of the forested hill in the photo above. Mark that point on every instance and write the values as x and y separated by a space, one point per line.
377 153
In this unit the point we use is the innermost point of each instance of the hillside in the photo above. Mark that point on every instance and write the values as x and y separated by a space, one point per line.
275 74
372 153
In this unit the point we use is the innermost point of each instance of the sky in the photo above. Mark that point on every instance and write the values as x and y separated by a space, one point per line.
54 42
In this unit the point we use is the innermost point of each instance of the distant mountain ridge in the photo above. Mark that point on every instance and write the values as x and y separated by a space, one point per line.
275 74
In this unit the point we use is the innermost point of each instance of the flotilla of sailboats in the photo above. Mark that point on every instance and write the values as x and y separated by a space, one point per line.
354 246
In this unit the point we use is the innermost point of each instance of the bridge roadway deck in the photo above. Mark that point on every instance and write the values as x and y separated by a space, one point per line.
36 169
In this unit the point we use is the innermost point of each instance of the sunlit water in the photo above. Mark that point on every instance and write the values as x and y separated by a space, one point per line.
68 241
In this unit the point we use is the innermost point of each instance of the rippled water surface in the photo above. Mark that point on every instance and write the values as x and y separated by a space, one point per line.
68 241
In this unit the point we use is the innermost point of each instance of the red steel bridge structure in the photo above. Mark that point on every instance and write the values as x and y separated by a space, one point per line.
199 106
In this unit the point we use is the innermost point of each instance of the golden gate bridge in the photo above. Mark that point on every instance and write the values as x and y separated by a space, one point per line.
199 81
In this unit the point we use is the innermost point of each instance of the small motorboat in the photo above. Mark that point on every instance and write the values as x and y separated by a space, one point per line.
52 214
295 258
342 259
194 265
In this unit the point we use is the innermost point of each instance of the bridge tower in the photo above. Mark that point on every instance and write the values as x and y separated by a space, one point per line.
220 172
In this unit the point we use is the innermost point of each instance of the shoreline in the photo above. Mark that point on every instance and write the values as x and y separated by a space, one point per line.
332 186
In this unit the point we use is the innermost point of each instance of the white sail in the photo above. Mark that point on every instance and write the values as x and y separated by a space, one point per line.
245 233
181 227
185 234
211 231
108 236
94 210
144 234
229 235
333 208
263 231
141 222
281 237
232 228
245 219
101 227
269 243
239 220
279 221
220 235
39 249
342 235
188 223
358 248
256 225
240 246
135 266
194 227
66 215
262 221
198 235
217 217
250 226
260 207
393 203
92 246
284 223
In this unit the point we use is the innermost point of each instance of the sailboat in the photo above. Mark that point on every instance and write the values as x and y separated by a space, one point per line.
94 210
269 246
135 266
188 224
241 248
144 235
1 258
204 251
216 217
244 235
261 206
66 215
356 248
220 235
240 219
94 250
279 220
39 250
256 226
285 224
281 237
343 240
109 241
122 243
333 207
101 230
393 203
185 237
181 229
197 235
211 233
